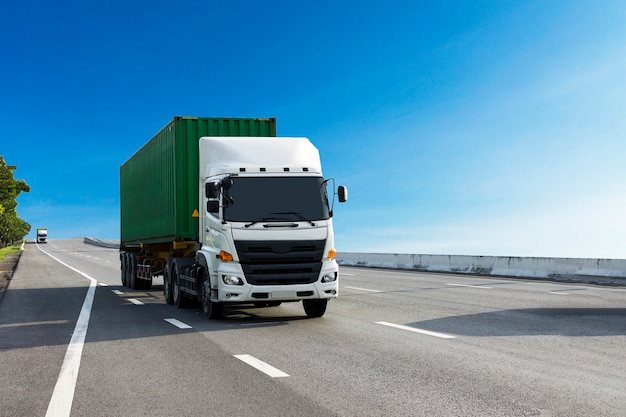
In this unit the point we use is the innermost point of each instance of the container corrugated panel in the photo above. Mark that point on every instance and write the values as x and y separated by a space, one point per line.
159 183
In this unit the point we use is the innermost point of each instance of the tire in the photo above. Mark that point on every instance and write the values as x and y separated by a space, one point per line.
123 267
177 295
129 279
210 309
315 308
167 283
135 283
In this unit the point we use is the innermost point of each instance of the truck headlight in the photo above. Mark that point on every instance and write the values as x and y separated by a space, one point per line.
329 277
232 280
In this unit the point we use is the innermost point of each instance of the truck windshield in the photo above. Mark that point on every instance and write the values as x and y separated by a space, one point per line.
277 199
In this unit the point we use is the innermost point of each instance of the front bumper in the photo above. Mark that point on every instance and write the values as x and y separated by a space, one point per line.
258 293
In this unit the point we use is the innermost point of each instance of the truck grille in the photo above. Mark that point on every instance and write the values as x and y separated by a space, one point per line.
280 262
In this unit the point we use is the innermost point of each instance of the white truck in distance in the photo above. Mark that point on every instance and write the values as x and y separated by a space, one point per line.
42 235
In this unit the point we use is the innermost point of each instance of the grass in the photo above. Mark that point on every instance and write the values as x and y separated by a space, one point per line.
9 249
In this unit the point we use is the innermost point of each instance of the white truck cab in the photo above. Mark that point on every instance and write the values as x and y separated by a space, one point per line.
266 229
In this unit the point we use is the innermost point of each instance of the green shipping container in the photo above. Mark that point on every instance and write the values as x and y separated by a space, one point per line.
159 183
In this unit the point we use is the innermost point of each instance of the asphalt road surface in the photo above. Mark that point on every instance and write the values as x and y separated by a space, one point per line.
73 341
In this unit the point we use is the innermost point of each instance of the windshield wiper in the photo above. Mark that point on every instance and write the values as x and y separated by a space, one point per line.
298 215
265 219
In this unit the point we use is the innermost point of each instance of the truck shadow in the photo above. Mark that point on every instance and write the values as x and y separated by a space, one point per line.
252 314
38 317
576 322
243 314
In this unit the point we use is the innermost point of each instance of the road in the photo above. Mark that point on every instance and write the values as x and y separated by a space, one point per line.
395 343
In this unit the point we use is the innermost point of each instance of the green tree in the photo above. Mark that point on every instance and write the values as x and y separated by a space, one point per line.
12 228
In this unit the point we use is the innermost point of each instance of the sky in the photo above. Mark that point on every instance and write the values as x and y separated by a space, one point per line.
459 127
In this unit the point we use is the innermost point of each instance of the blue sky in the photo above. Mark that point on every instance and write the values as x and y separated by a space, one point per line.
472 128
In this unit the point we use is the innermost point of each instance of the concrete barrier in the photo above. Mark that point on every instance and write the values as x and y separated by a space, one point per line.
585 270
582 270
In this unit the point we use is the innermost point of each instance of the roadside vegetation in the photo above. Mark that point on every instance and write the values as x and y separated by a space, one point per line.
12 228
7 250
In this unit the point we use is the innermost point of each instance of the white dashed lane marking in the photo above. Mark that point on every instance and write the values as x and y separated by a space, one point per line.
416 330
361 289
471 286
178 323
262 366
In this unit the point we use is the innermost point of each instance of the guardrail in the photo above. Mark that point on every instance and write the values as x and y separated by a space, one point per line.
112 244
585 270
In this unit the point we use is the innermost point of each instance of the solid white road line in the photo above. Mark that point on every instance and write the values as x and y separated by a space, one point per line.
471 286
178 323
261 366
413 329
136 301
361 289
63 395
558 293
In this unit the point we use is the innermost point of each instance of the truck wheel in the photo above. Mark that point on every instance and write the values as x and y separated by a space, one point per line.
211 309
177 294
167 284
135 283
123 267
315 308
129 281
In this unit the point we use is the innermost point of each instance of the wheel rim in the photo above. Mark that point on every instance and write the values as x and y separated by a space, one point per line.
175 287
167 284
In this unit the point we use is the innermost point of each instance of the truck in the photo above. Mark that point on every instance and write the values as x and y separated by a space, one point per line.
229 214
42 235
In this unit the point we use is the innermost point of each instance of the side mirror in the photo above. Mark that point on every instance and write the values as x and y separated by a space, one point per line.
211 190
227 183
342 193
213 206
